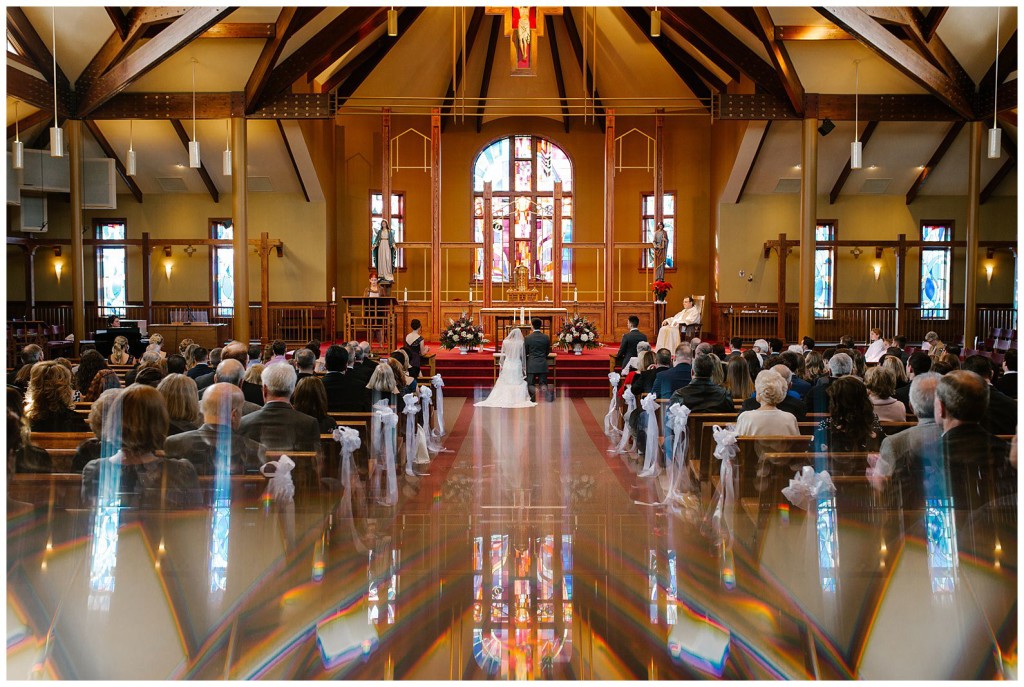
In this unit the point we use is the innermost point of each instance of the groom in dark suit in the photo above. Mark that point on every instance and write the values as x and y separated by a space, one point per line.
537 346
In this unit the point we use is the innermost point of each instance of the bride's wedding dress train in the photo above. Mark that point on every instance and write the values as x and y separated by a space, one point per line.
510 390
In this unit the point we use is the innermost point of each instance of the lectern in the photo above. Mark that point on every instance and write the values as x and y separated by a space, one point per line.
371 319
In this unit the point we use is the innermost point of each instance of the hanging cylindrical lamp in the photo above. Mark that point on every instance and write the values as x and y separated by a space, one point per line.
856 148
392 22
129 162
56 133
17 148
227 149
995 134
655 23
193 146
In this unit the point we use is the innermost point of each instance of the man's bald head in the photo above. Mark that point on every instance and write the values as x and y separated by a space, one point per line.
785 373
236 351
222 404
230 371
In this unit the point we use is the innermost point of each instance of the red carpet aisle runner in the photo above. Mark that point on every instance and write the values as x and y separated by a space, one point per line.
578 375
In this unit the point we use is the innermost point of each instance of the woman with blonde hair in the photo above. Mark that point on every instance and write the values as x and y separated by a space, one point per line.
182 398
814 367
157 340
881 384
898 369
254 375
190 355
718 372
119 353
183 346
49 398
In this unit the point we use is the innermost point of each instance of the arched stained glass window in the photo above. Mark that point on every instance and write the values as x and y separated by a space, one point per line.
522 170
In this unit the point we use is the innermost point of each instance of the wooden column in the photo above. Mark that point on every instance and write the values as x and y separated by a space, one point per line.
973 220
659 167
901 274
147 286
488 248
556 247
240 225
435 219
385 163
73 130
780 328
264 250
331 193
30 281
609 221
808 221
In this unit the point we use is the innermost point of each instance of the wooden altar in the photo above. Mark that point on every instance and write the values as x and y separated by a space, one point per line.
507 318
370 319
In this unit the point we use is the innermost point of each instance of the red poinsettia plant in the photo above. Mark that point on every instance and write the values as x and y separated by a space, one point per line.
661 287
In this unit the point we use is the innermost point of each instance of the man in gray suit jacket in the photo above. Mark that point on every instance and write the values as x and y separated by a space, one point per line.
277 425
901 451
537 346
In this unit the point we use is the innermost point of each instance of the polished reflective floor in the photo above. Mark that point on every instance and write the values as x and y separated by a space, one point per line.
524 554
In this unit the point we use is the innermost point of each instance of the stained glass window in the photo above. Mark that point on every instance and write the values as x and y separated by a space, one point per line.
111 268
397 220
668 213
223 268
824 270
522 171
935 269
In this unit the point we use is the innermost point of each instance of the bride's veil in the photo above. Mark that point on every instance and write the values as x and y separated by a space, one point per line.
512 347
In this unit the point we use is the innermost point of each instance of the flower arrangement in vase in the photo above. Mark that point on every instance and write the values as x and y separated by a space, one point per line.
660 289
578 333
462 334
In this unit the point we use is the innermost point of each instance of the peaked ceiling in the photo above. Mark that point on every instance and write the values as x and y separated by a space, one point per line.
261 54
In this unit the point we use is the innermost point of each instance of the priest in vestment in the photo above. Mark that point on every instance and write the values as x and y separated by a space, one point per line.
669 334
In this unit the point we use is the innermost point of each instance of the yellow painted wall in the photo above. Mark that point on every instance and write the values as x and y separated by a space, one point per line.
745 227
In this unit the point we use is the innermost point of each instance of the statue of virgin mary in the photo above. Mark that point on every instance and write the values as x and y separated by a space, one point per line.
383 254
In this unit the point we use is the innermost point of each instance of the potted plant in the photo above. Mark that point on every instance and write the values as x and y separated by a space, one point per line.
462 334
660 289
578 333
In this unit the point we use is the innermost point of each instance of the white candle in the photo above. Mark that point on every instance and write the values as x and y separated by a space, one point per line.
332 295
470 294
405 294
522 314
574 298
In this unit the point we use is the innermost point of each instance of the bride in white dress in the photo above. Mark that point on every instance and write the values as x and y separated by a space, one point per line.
510 390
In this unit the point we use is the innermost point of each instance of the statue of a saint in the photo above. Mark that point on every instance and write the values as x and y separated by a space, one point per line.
660 243
383 254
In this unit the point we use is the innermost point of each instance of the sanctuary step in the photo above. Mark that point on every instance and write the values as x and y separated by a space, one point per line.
584 375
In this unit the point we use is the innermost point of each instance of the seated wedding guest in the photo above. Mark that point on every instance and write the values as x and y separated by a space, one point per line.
701 395
947 358
231 371
146 480
768 418
817 399
917 364
233 350
104 379
255 356
902 450
152 357
845 341
735 345
795 363
776 345
48 404
643 383
190 355
201 364
634 363
406 384
790 403
410 381
157 340
252 384
26 457
893 364
183 346
852 424
737 379
182 399
961 404
222 417
119 353
414 348
807 343
148 374
897 348
89 449
669 381
91 362
881 384
941 368
702 348
877 347
628 348
305 363
646 361
382 383
859 366
1008 381
215 358
277 425
344 394
931 340
277 348
754 361
718 371
30 355
310 398
362 369
1001 417
176 364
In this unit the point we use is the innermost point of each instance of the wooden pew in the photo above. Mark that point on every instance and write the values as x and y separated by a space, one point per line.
59 440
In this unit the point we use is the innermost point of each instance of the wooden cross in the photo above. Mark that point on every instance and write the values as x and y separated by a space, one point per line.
523 25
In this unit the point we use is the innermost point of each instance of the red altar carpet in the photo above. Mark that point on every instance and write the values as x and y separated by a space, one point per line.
577 375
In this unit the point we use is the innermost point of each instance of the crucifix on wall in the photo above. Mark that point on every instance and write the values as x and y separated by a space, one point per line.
524 25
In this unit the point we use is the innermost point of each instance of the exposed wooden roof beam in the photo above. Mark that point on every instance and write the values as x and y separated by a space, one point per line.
456 81
780 58
38 54
374 53
936 158
291 156
343 28
108 150
1007 99
577 49
485 82
663 45
378 19
746 17
811 33
26 123
119 20
42 135
172 39
227 29
870 33
1007 64
36 92
700 45
288 21
837 188
753 160
932 23
839 107
203 173
935 50
556 62
996 179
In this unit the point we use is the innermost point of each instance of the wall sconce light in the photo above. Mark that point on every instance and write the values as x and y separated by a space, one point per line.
988 272
58 267
877 267
168 266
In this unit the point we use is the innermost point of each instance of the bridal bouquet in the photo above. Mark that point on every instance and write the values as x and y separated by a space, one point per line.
462 333
578 331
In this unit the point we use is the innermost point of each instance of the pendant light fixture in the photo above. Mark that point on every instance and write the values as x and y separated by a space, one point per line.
655 22
392 22
193 146
995 134
130 158
56 133
17 148
856 148
227 148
